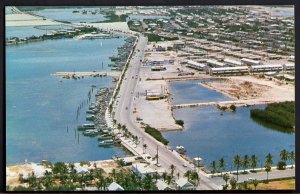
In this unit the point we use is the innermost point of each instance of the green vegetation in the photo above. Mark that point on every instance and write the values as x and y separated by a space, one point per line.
281 114
156 134
233 107
112 17
157 38
281 165
179 122
64 177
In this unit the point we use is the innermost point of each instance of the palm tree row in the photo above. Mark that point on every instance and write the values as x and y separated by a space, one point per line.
253 161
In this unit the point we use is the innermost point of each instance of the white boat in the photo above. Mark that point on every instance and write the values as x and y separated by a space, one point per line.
180 149
106 142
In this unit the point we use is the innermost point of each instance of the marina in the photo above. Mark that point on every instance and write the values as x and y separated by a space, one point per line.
52 129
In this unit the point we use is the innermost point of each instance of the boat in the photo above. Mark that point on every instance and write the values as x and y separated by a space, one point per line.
75 11
91 117
104 137
91 132
106 142
91 112
180 149
86 126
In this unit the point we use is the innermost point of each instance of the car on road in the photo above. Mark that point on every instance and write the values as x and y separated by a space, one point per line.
184 165
158 164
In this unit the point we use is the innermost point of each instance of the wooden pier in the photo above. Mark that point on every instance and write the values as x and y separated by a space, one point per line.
69 75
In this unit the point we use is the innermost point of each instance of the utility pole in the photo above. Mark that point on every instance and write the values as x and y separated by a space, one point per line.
157 155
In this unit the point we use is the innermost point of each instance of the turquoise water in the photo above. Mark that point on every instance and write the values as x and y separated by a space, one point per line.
211 136
55 27
142 17
67 15
41 109
23 32
191 92
8 10
284 13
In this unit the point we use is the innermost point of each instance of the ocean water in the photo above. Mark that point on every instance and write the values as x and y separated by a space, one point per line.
55 27
184 92
142 17
41 109
23 32
211 136
67 15
8 10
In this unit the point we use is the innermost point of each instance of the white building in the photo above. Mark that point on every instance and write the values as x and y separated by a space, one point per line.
142 169
161 185
213 63
195 65
250 62
184 184
115 187
231 62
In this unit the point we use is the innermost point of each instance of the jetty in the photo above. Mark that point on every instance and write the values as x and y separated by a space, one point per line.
238 103
69 75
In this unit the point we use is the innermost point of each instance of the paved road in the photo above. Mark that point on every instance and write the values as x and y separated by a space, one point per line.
274 174
124 116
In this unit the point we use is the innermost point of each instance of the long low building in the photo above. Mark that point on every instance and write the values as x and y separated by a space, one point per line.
227 70
214 63
261 68
246 61
289 66
195 65
232 62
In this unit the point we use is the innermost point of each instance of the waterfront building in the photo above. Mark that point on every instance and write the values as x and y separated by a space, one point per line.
142 169
195 65
229 70
184 184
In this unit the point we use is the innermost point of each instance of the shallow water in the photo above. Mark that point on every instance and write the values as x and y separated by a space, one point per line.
190 91
41 109
211 136
23 32
67 15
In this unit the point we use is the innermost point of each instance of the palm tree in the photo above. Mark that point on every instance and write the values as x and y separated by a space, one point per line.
144 148
245 162
233 182
237 164
284 155
226 178
214 167
178 175
255 183
253 161
269 159
195 177
267 169
172 169
188 174
169 178
164 176
291 157
222 165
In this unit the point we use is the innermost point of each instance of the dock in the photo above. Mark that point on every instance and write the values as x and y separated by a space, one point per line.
238 103
68 75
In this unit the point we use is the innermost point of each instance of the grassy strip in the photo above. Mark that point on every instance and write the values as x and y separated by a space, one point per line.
157 38
281 114
156 134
